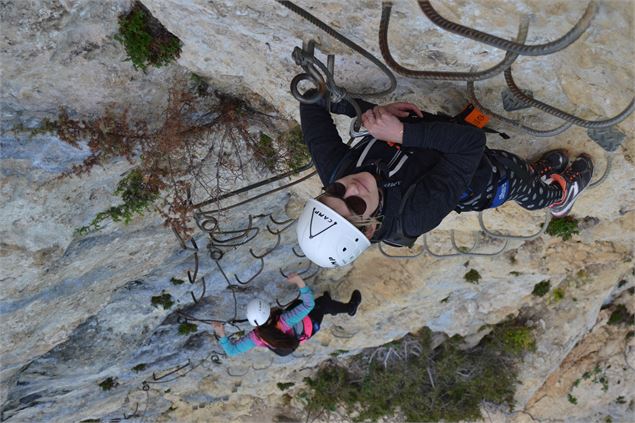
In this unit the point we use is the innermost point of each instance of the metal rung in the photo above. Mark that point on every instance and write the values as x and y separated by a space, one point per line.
511 103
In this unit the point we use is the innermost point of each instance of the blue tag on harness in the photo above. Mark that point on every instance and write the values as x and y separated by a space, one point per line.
502 192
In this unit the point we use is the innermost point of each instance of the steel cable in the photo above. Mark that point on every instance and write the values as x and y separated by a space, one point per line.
326 28
509 58
522 49
519 94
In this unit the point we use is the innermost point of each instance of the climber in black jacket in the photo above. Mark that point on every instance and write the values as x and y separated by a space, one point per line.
409 173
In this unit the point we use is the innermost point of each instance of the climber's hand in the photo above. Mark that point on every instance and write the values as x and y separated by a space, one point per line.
219 328
383 125
295 279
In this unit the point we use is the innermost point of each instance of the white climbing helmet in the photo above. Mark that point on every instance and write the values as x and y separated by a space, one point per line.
257 312
328 239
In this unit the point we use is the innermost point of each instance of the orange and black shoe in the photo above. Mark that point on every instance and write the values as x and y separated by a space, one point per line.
554 161
573 180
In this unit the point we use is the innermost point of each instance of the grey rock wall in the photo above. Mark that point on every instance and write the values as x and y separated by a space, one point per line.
77 310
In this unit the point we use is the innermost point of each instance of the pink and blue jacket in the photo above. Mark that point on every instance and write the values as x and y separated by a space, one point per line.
294 322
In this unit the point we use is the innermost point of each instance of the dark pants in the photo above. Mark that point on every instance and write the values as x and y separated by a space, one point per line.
526 188
326 305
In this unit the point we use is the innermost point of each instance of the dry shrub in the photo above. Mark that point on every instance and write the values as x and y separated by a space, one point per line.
174 160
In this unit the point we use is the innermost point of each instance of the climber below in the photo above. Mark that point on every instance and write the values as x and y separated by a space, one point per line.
413 169
283 330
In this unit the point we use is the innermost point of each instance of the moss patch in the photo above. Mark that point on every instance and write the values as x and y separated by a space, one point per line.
139 367
472 276
176 281
108 383
621 316
558 294
284 386
164 300
564 227
186 328
541 288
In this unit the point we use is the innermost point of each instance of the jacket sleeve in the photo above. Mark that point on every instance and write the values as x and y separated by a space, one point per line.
299 312
321 137
240 346
438 191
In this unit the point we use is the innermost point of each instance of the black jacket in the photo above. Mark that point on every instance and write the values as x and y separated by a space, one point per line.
444 160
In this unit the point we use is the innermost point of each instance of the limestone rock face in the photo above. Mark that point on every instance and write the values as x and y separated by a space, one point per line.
77 311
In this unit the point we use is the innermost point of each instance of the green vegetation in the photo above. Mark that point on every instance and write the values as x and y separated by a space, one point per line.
139 367
108 383
541 288
563 227
514 273
46 126
200 85
137 195
620 400
284 386
515 339
297 154
597 376
558 294
176 281
266 152
621 316
472 276
164 300
147 42
186 328
446 383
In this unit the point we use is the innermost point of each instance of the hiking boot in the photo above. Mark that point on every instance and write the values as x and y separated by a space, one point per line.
573 180
554 161
353 303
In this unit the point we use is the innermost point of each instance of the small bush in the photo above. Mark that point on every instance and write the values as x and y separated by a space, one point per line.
558 294
138 196
108 383
472 276
621 316
186 328
164 300
284 386
563 227
265 152
139 367
573 400
176 281
445 383
515 339
541 288
147 42
297 155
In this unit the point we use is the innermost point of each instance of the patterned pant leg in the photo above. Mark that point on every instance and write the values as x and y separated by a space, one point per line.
527 188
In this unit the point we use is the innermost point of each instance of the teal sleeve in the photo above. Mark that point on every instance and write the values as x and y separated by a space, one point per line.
240 346
299 312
